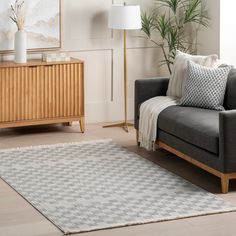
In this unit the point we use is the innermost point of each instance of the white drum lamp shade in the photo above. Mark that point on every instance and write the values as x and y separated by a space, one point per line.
125 17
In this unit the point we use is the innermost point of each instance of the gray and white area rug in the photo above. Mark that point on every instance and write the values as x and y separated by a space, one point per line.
96 185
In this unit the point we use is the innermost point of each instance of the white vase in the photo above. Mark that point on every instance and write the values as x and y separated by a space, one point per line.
20 46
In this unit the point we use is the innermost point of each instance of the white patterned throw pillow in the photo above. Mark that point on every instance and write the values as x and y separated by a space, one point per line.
205 87
179 71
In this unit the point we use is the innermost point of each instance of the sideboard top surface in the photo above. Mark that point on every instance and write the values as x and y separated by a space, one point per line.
38 62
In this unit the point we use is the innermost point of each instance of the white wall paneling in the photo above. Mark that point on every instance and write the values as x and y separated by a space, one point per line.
85 25
143 63
98 83
85 35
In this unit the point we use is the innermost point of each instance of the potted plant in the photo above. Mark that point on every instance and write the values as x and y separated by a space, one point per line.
18 17
176 22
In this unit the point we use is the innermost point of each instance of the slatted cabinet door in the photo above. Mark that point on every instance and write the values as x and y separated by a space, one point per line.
18 92
62 91
41 93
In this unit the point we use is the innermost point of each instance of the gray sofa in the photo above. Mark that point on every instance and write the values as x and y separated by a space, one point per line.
206 138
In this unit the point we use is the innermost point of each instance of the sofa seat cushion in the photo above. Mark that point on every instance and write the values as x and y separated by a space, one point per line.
196 126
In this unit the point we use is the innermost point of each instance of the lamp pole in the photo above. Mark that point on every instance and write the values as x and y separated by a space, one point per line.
125 125
125 79
124 17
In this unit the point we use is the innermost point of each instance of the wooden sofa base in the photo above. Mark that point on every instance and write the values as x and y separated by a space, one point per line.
224 177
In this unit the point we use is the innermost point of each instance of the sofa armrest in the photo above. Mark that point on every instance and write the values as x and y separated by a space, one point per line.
227 140
146 89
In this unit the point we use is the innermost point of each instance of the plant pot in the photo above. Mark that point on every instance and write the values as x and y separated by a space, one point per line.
20 47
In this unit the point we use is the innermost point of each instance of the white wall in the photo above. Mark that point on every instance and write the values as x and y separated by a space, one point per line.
220 38
228 32
86 36
209 38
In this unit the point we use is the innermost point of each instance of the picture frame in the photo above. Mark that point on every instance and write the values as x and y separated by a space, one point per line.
42 25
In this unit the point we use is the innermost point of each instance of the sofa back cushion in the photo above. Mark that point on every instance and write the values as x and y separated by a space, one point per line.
179 74
230 94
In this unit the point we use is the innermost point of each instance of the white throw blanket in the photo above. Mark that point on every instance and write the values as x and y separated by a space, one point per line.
149 112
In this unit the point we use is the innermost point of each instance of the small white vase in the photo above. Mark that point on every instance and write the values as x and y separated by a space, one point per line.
20 47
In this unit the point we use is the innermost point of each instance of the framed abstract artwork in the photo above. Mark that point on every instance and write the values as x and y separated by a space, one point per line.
42 25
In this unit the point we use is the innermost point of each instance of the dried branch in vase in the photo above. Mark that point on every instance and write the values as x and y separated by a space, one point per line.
17 14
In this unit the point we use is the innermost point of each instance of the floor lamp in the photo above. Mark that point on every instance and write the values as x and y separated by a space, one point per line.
124 17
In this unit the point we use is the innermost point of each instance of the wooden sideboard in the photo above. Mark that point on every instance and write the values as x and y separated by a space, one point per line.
38 93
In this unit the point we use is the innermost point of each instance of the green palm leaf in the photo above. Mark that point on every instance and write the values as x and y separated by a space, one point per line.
171 20
171 4
194 13
147 24
163 26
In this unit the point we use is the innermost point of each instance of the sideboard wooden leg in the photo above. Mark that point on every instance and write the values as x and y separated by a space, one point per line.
82 124
224 183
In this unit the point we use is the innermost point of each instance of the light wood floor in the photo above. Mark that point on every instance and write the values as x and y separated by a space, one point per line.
18 218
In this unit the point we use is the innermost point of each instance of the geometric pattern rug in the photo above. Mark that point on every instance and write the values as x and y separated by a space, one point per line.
98 184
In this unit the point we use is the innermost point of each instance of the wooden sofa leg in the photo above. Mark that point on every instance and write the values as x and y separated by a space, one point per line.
224 183
137 138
